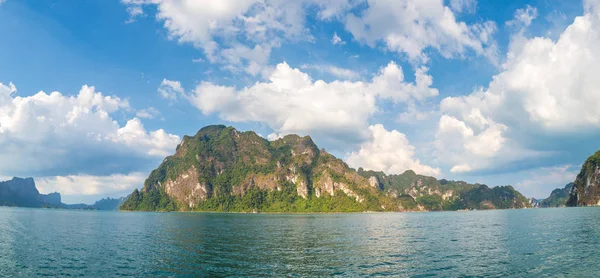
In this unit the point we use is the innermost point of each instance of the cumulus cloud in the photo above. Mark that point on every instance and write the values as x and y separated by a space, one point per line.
91 185
389 84
388 151
55 134
546 88
169 89
540 182
6 92
291 102
455 137
410 27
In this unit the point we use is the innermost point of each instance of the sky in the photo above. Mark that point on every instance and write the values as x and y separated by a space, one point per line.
95 94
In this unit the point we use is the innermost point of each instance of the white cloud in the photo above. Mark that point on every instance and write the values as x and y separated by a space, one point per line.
291 102
388 151
461 168
336 39
210 98
463 6
274 136
91 185
240 35
415 115
389 83
546 88
227 28
540 182
410 27
169 89
523 17
148 113
455 138
134 12
62 135
155 143
6 92
333 70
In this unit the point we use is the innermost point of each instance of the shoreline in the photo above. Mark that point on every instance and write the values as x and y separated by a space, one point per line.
358 212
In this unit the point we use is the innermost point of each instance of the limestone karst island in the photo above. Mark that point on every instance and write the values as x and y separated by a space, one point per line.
299 138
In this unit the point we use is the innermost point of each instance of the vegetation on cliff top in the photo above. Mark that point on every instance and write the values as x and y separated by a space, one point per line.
434 194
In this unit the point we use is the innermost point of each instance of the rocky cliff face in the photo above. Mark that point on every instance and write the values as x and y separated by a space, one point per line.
51 199
223 169
22 192
534 203
586 188
427 193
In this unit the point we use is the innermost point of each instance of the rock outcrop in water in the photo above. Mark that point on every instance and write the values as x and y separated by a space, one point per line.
23 193
222 169
586 188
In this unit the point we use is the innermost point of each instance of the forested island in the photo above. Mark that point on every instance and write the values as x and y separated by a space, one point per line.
223 169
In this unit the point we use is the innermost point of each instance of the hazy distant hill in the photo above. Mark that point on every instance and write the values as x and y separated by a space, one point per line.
222 169
19 192
109 203
558 197
23 193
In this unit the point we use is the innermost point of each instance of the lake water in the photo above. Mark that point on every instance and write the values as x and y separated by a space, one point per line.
533 242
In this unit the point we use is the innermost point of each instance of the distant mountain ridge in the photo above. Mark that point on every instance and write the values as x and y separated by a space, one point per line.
558 197
429 193
109 203
22 192
222 169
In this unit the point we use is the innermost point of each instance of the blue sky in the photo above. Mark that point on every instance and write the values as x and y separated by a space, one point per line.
496 92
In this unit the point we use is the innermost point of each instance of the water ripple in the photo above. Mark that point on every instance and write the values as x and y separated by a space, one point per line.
518 243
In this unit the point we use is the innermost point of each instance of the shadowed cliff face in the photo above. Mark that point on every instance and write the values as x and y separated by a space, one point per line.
222 169
22 192
586 188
